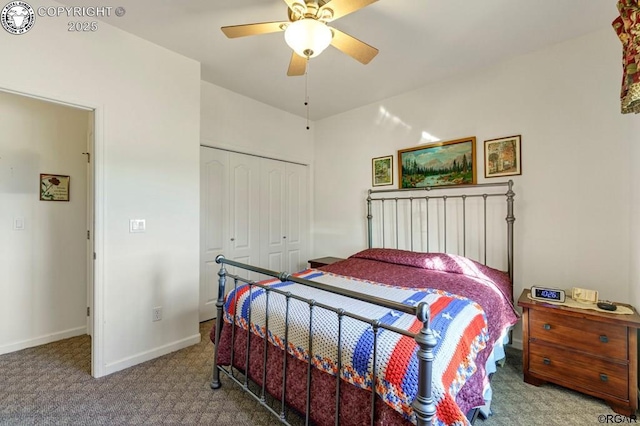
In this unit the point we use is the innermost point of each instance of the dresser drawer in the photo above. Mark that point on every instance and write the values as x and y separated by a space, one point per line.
573 369
602 339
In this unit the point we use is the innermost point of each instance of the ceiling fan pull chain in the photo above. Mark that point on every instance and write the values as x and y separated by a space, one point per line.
306 90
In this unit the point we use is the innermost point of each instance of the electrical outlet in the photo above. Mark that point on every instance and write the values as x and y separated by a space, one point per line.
157 313
137 225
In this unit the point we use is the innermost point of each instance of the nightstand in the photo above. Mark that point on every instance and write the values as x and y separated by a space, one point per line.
588 351
322 261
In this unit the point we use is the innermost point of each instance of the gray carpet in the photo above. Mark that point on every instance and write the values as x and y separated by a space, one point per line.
51 385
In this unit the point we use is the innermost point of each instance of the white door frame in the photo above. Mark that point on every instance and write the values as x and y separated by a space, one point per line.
95 189
90 227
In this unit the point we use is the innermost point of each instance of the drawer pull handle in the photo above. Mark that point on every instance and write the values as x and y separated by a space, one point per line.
604 377
604 339
547 326
547 361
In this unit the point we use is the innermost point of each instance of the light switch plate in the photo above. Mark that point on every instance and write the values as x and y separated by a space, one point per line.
18 223
137 225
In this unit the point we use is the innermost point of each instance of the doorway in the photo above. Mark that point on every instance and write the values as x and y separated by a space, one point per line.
47 193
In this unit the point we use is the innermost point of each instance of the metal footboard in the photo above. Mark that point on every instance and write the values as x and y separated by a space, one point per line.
423 406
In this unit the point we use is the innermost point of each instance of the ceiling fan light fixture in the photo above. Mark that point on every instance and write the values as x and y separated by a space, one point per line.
308 37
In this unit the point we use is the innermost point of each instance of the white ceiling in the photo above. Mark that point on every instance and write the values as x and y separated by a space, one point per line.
419 41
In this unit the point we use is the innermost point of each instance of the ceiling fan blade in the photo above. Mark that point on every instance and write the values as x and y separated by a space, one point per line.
297 66
353 47
234 31
341 8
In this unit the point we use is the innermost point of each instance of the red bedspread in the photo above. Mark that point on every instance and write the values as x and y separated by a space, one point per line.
490 288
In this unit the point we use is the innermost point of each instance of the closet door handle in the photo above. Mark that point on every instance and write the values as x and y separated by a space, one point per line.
284 238
233 239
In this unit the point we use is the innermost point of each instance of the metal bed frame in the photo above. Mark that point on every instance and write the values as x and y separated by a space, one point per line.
424 406
414 195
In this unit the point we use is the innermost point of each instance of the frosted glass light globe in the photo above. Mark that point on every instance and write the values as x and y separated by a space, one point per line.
308 37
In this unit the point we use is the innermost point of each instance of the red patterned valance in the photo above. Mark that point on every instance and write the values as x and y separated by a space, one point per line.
627 26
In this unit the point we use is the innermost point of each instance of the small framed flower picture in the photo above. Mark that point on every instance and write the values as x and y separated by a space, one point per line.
382 171
502 157
54 187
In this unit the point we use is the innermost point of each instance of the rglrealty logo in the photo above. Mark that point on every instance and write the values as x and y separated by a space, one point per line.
17 17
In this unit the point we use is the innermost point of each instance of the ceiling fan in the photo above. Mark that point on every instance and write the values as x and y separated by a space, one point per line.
307 32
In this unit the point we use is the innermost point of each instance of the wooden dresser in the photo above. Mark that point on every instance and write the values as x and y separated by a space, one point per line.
591 352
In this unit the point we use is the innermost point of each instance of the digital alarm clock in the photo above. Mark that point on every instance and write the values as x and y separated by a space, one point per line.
548 294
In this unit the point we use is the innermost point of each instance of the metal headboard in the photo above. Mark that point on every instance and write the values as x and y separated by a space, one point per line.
482 191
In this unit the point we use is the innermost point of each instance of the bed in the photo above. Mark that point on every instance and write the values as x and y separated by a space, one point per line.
421 327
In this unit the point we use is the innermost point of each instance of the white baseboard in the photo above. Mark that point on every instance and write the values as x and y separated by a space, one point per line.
43 340
151 354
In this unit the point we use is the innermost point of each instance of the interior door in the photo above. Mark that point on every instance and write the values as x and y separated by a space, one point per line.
273 235
297 217
244 211
214 215
249 214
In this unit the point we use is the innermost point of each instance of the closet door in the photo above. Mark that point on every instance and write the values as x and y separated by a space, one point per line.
214 239
244 211
284 223
273 234
229 219
253 210
296 208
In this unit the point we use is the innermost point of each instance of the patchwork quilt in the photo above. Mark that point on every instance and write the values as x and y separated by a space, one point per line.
458 323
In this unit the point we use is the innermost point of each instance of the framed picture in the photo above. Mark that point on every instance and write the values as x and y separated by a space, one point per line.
54 187
502 157
382 171
444 163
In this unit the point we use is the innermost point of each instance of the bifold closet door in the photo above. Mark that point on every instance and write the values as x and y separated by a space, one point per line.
253 210
214 194
244 212
297 217
284 227
273 238
229 218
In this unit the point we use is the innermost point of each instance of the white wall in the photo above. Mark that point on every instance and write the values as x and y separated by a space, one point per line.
235 122
634 159
572 201
147 128
44 265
